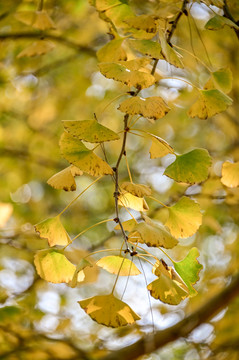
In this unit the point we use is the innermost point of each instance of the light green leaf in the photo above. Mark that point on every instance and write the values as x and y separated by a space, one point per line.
189 269
65 179
112 51
230 174
53 230
118 265
147 47
184 218
209 103
118 15
220 79
159 147
190 168
109 311
78 154
89 130
218 22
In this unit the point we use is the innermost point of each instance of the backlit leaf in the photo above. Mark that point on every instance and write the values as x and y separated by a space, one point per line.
190 168
120 73
128 225
118 15
220 79
147 47
153 107
64 179
6 210
78 154
170 55
230 174
184 218
118 265
209 103
89 130
159 147
143 22
37 48
109 311
79 275
53 230
112 51
189 269
130 201
138 190
218 22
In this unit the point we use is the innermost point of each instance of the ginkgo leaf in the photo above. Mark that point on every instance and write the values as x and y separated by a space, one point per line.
112 52
64 179
138 190
230 174
209 103
79 275
118 265
103 5
120 73
147 47
190 168
218 22
128 225
159 147
37 48
152 234
130 201
109 311
189 269
78 154
170 55
153 107
118 14
26 17
53 266
135 64
6 210
89 130
53 230
43 21
220 79
184 218
143 22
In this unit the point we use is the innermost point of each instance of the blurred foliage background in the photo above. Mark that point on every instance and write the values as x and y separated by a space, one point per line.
43 320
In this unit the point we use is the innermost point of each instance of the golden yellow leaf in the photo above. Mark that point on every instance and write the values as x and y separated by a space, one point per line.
118 265
130 201
170 55
230 174
53 230
138 190
147 47
109 311
6 210
159 147
37 48
43 21
135 64
143 22
112 51
128 225
64 179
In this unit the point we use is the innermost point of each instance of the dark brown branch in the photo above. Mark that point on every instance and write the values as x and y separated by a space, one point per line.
229 16
183 328
175 22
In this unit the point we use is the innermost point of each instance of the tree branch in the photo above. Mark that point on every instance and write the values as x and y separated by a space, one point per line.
228 15
183 328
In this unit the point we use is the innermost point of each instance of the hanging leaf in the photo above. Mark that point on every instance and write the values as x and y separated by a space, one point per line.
120 73
153 107
220 79
64 179
209 103
218 22
135 64
170 55
127 225
79 275
138 190
118 265
109 311
53 266
112 51
130 201
147 47
53 230
184 218
159 147
152 234
230 174
189 269
78 154
37 48
143 22
190 168
89 130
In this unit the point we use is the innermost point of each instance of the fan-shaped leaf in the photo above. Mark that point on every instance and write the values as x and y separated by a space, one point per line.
109 311
138 190
135 64
143 22
53 230
159 147
77 153
191 167
112 51
147 47
230 174
184 218
218 22
130 201
37 48
89 130
220 79
128 225
64 179
43 21
118 265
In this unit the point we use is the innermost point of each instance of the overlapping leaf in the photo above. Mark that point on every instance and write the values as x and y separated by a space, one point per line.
53 230
191 168
184 218
112 51
37 48
147 47
130 201
89 130
128 225
143 22
138 190
159 147
218 22
230 174
135 64
109 311
220 79
170 55
65 179
78 154
79 274
118 265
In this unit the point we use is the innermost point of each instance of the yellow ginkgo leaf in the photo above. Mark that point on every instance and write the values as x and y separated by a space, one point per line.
152 234
53 230
128 225
185 218
37 48
138 190
112 52
120 73
6 210
147 47
130 201
26 17
64 179
53 266
153 107
230 174
118 265
109 311
43 21
170 55
135 64
89 130
159 147
79 274
78 154
143 22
